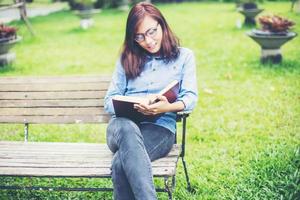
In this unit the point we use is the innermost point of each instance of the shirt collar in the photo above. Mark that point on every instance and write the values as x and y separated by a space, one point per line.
150 57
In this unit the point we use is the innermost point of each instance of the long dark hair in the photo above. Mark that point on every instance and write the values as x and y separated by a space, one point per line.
133 56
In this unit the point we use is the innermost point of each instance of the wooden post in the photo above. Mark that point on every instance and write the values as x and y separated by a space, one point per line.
23 15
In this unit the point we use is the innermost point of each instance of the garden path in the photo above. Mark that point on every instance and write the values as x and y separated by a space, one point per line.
7 16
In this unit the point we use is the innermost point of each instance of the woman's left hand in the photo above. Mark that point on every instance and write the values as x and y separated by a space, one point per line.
161 106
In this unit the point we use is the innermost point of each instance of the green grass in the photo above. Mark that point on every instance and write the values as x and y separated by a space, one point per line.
243 137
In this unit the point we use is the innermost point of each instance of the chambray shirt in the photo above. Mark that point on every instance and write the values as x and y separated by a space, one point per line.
155 76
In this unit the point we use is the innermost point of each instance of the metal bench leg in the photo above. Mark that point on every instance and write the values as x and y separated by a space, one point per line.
173 182
168 189
26 132
189 188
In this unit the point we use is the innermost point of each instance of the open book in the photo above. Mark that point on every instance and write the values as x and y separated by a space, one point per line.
124 105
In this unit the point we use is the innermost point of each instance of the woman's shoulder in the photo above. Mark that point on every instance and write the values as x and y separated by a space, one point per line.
185 51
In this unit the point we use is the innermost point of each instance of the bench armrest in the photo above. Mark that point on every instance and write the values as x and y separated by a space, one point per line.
187 112
181 117
182 114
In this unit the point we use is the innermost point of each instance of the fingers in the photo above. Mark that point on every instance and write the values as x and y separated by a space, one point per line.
146 110
141 106
163 102
155 108
161 98
152 98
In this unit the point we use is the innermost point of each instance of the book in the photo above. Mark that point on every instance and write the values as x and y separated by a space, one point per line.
124 105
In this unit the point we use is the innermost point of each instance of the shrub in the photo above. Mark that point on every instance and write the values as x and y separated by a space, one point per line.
7 32
275 23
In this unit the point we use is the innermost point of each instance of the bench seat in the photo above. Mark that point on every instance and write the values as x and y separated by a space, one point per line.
53 159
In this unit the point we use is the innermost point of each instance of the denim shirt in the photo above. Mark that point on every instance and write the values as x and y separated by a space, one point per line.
155 76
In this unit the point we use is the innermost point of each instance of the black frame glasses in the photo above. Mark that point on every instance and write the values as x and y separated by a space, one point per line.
140 37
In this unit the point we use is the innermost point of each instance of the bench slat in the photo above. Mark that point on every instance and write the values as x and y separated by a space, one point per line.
57 149
73 146
74 172
9 87
56 79
51 111
17 162
53 95
57 153
50 103
50 145
68 160
74 119
102 164
53 156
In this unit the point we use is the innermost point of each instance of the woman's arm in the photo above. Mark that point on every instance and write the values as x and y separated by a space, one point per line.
117 87
189 91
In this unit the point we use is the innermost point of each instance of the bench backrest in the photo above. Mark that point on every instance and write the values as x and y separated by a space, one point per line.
53 100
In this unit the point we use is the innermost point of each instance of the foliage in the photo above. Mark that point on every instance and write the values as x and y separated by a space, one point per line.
7 32
274 23
269 165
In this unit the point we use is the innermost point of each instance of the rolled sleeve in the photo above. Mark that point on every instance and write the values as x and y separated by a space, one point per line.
189 92
117 87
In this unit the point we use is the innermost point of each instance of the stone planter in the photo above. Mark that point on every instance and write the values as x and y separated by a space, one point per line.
85 16
7 57
250 15
270 44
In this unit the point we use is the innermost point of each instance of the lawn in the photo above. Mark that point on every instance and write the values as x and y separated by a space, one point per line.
244 135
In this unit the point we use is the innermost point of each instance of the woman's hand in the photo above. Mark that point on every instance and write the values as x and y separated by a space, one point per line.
161 106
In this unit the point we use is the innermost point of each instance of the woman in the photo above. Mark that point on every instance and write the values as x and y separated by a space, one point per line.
151 58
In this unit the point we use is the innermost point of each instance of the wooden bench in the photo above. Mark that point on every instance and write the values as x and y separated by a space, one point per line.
65 100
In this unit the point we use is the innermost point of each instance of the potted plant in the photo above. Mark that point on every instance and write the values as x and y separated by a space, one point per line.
274 32
249 9
8 37
85 10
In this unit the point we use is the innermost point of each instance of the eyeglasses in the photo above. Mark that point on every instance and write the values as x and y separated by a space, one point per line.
149 33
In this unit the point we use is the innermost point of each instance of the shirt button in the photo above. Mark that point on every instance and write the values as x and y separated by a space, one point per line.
153 69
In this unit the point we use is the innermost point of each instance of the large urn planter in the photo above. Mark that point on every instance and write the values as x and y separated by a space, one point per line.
86 17
274 33
6 56
270 44
250 11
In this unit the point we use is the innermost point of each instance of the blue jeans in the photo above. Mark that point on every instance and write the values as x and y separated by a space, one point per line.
135 146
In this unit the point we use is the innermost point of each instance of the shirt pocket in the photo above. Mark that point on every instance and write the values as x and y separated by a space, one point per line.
137 86
174 71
